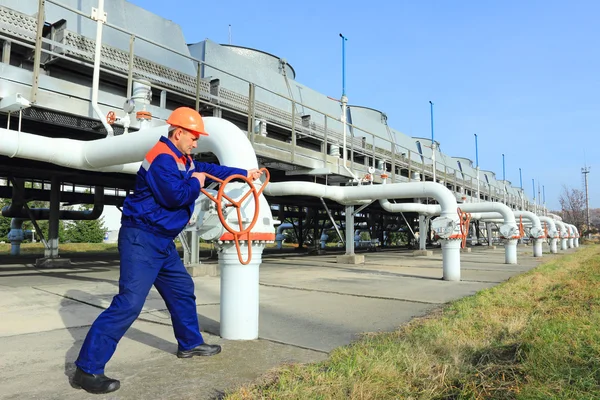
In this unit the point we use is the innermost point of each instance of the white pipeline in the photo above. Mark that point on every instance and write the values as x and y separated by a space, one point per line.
536 231
351 195
239 293
570 242
564 234
510 225
552 233
576 240
124 153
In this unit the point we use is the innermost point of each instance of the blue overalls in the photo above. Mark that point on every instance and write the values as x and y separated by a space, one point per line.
153 216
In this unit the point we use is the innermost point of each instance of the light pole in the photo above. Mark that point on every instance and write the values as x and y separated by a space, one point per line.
544 198
432 140
477 167
344 39
522 192
534 203
504 178
344 105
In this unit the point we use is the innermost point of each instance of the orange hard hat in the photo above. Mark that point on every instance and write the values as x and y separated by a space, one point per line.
188 119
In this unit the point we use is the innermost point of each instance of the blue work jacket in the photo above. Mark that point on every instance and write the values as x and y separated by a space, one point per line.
165 192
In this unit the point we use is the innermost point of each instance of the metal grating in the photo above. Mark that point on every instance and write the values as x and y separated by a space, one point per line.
17 25
70 121
118 60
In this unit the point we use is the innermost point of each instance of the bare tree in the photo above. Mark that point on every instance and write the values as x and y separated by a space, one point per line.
572 202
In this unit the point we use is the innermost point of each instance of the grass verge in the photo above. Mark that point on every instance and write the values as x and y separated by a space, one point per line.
535 336
38 248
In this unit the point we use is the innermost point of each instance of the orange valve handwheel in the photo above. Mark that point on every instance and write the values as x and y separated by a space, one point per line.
521 227
111 117
237 235
464 222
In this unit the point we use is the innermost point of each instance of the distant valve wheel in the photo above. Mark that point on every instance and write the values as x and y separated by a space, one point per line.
111 117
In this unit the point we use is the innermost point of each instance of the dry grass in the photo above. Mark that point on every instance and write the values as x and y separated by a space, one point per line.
535 336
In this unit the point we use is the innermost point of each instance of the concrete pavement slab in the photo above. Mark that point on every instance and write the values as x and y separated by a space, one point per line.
41 365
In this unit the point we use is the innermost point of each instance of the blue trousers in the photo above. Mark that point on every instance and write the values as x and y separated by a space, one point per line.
146 260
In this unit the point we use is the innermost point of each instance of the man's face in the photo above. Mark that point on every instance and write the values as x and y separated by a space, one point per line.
185 141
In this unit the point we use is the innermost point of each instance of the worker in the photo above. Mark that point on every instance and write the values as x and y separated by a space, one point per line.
167 186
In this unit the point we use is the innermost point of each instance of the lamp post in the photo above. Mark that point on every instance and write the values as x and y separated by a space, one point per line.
432 140
504 178
544 198
344 99
534 203
522 192
477 167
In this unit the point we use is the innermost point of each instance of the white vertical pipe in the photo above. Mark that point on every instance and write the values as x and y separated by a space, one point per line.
239 293
553 245
96 76
537 247
344 134
451 260
488 227
510 251
571 236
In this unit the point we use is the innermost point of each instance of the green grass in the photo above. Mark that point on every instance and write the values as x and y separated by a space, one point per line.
536 336
38 248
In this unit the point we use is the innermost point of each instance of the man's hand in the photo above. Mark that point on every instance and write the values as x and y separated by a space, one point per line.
201 176
254 174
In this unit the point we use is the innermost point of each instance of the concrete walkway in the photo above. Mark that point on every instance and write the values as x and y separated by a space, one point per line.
309 306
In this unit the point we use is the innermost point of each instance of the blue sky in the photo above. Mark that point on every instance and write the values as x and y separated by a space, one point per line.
522 75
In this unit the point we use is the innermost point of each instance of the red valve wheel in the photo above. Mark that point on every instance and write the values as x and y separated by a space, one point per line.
111 117
237 234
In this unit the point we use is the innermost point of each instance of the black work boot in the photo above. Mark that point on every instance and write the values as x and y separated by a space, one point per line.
201 350
95 383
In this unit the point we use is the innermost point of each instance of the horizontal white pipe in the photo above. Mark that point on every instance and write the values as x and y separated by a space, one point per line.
124 153
426 209
53 150
504 210
554 216
351 195
534 220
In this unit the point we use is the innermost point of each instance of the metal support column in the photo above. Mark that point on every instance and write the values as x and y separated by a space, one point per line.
488 226
37 55
349 230
195 248
6 48
422 232
52 250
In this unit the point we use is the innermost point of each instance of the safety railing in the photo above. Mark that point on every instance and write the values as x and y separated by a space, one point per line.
322 131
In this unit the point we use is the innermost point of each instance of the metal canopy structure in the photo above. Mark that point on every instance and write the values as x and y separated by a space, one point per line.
47 88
